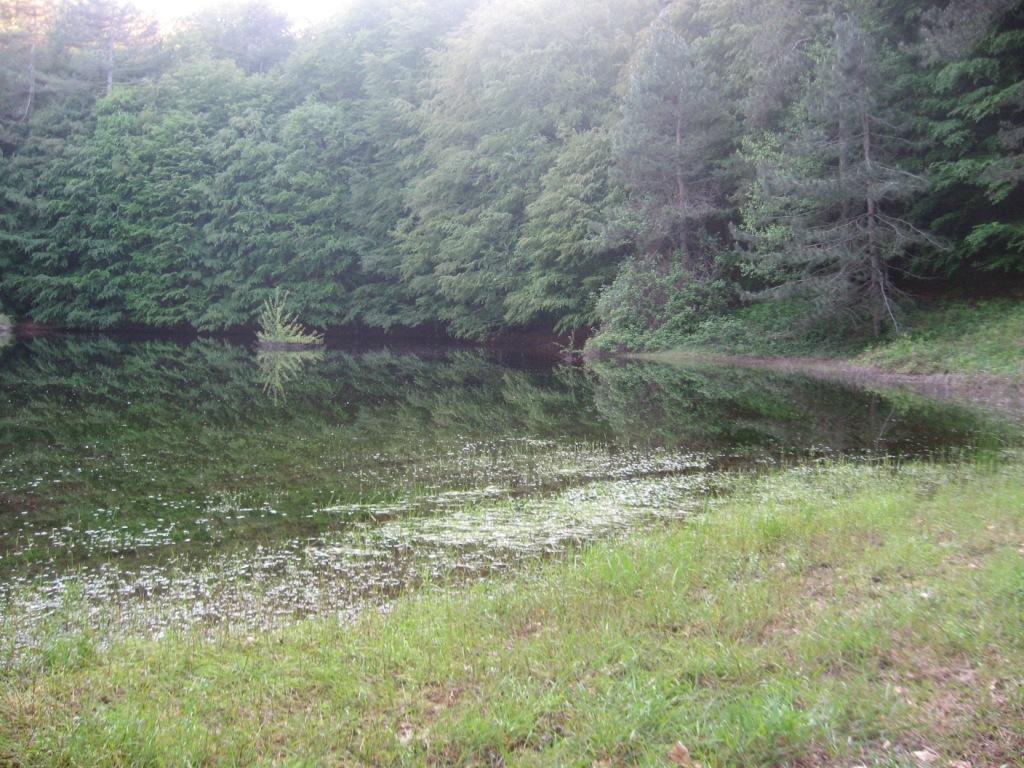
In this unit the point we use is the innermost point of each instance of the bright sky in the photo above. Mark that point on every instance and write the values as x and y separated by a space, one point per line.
302 12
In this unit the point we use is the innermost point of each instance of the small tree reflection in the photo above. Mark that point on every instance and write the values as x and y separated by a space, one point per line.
279 368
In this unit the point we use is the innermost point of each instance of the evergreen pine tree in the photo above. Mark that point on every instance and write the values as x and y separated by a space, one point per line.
826 211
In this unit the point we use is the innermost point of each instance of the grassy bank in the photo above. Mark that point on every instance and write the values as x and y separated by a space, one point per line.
839 616
982 338
985 337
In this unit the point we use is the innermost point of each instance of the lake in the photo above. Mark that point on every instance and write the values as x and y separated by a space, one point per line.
165 484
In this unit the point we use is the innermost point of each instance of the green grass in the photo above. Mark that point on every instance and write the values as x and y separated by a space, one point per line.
849 614
985 337
777 328
770 328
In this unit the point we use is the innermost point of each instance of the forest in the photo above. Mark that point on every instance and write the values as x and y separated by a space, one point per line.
470 383
474 166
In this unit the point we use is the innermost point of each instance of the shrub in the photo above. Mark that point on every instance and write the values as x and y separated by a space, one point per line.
657 297
278 328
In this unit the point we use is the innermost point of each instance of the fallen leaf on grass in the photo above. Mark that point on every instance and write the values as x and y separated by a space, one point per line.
926 756
405 734
680 755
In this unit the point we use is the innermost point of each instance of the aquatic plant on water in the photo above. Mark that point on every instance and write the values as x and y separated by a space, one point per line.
281 330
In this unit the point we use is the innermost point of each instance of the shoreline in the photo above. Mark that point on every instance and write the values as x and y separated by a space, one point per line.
541 342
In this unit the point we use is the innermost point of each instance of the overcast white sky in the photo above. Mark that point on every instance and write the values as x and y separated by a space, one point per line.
301 11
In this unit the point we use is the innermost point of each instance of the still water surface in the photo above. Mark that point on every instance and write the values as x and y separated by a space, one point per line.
160 484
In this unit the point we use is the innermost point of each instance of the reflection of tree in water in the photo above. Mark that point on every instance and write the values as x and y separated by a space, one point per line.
279 368
202 398
6 338
125 439
718 408
167 425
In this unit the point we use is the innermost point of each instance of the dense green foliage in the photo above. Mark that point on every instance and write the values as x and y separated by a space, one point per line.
477 165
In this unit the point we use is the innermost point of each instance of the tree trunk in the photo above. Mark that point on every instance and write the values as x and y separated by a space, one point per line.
109 64
681 193
844 164
879 277
27 112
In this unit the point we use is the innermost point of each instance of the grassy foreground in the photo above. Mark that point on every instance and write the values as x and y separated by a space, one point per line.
840 616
